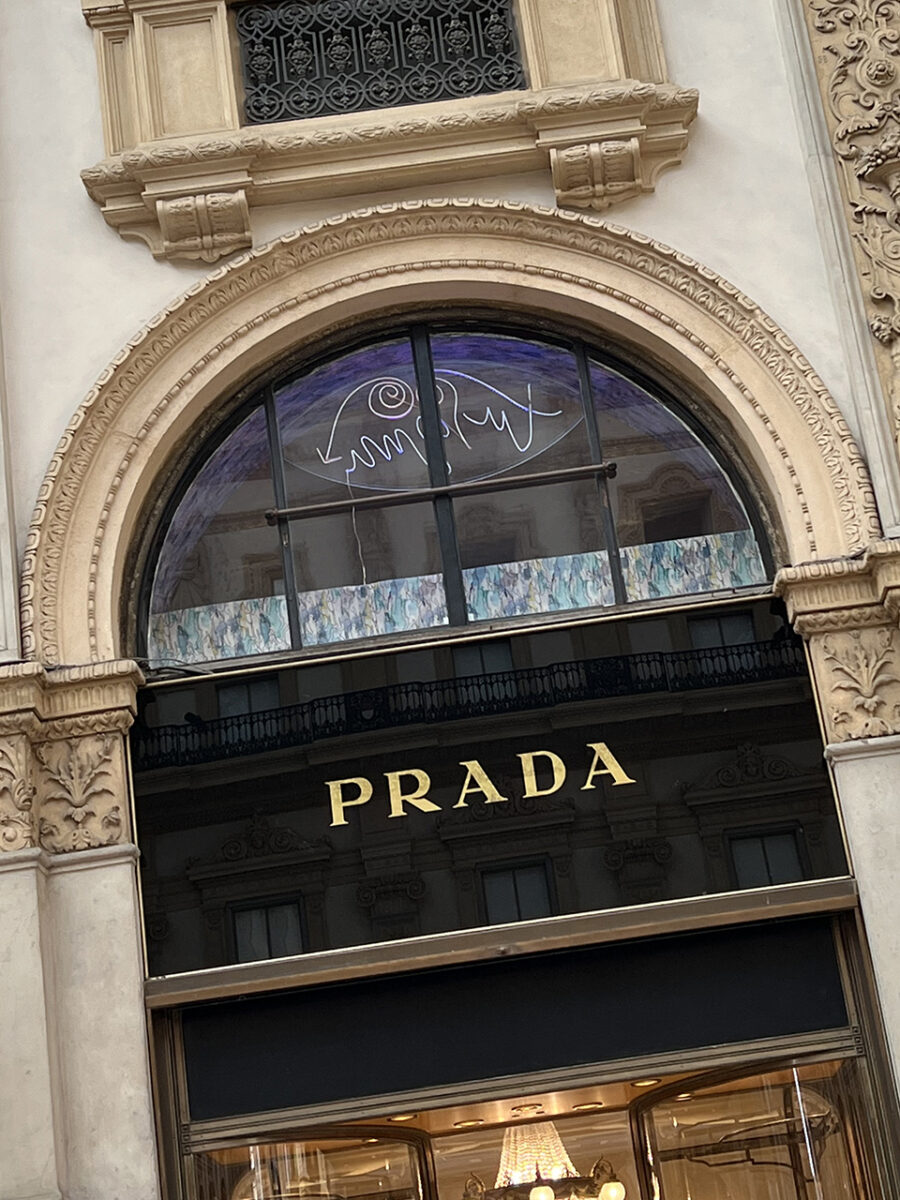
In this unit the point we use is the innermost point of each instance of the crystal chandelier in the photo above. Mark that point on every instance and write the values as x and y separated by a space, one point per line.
534 1165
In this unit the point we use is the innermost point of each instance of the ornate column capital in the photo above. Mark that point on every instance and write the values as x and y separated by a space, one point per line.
63 780
848 611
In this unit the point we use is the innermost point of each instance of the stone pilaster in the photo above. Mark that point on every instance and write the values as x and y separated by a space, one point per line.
74 1077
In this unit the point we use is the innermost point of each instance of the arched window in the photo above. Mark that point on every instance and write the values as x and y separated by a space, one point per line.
441 476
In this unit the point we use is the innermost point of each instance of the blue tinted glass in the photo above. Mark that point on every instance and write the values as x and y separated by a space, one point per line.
353 425
507 406
681 526
218 591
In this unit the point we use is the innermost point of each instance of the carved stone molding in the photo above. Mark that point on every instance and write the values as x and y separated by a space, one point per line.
849 613
175 370
63 780
182 172
190 198
856 44
640 867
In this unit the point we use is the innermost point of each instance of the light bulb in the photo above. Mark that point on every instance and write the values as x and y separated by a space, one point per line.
542 1192
613 1189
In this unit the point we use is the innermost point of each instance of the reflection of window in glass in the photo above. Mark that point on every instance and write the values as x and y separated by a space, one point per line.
270 931
250 696
441 478
766 858
483 658
784 1135
725 629
516 894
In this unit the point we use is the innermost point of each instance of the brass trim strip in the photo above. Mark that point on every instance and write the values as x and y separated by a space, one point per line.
504 941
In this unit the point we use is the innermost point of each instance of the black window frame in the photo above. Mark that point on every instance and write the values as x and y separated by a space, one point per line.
498 867
764 831
264 903
586 350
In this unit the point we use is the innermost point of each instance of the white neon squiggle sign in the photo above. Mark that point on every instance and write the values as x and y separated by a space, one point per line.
388 398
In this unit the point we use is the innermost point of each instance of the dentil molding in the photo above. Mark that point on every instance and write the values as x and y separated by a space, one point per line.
63 778
183 174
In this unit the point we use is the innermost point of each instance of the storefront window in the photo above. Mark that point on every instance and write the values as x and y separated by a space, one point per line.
441 477
792 1133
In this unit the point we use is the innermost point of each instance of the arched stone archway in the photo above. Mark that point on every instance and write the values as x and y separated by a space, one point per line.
293 291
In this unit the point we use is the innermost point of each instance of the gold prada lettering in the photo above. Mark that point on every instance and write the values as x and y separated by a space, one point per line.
529 775
611 766
338 803
418 799
478 780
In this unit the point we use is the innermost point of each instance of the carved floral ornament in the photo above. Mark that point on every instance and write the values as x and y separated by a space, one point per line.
62 756
857 43
222 329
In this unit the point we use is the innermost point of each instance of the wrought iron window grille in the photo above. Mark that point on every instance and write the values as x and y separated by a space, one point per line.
340 56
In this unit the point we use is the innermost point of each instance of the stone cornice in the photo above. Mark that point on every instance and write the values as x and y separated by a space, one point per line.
191 198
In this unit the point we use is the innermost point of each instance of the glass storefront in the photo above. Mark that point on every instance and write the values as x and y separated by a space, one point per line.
791 1132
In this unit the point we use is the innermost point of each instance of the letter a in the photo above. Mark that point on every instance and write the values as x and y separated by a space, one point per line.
338 803
478 780
529 778
418 798
611 766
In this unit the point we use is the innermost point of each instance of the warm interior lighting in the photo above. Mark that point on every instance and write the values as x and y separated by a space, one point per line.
542 1192
614 1189
590 1106
683 1096
472 1124
533 1152
645 1082
404 1117
526 1110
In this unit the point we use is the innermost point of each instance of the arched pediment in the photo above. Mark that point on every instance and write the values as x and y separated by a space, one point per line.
745 373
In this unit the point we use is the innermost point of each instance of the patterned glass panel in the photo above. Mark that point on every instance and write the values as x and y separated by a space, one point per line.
338 56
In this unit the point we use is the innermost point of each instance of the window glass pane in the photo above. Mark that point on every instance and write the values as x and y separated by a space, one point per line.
368 572
785 1135
783 857
353 425
218 588
750 867
251 934
500 897
680 524
737 629
284 930
540 549
350 1168
507 406
532 892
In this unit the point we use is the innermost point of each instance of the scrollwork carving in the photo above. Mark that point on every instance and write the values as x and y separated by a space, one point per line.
858 42
17 793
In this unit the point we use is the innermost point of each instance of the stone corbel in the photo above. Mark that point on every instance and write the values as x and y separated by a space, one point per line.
63 777
848 611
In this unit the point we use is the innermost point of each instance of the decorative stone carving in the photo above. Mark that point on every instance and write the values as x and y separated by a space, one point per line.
750 768
62 756
856 43
163 375
848 611
598 174
640 868
863 665
261 839
17 793
80 800
393 903
181 172
206 226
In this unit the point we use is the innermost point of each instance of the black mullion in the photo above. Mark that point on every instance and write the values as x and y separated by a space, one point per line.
284 526
596 449
445 521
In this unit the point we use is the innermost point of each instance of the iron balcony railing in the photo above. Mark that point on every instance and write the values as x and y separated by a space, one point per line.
469 696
